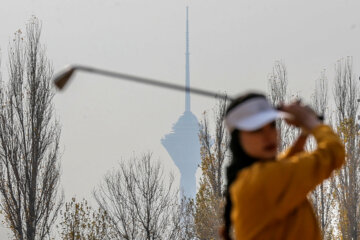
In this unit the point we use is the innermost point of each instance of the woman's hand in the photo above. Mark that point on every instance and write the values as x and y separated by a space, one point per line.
302 116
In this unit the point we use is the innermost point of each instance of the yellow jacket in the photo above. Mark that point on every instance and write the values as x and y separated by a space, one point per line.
269 198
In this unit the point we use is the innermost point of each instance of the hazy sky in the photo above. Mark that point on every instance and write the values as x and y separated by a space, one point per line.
233 46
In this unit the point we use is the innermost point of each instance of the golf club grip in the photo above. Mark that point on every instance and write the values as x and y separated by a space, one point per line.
320 117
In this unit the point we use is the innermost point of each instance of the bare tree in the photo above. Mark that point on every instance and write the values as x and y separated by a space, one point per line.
29 140
347 184
278 94
322 197
140 200
278 83
185 219
214 153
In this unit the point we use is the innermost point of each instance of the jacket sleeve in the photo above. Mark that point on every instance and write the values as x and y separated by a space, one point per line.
283 185
297 147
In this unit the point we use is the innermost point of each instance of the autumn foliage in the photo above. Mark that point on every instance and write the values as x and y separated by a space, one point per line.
209 199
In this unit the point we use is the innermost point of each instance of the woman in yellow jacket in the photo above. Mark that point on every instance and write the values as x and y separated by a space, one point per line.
267 195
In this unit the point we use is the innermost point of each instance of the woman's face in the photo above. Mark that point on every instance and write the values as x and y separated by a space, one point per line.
262 143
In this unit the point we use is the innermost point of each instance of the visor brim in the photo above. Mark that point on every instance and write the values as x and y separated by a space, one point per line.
259 120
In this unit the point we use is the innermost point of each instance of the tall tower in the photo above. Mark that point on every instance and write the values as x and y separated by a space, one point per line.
182 143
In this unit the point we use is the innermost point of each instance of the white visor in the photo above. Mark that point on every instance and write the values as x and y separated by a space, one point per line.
252 114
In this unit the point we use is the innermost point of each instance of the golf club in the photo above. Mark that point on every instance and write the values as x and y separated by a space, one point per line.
62 77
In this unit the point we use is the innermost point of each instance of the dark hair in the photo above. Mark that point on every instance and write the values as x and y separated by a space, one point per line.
240 160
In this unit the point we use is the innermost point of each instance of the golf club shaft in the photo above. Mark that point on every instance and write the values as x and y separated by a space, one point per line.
153 82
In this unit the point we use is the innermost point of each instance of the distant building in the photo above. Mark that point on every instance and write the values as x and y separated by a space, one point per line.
182 143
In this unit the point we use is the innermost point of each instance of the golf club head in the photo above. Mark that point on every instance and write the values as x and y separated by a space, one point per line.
62 77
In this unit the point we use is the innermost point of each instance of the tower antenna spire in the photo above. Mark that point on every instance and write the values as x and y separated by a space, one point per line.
187 64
